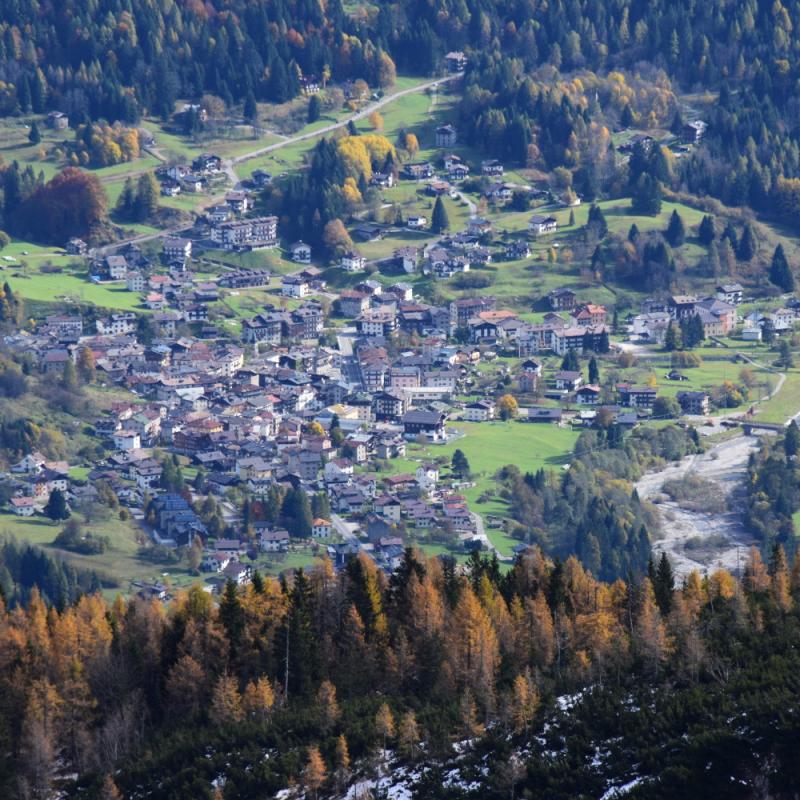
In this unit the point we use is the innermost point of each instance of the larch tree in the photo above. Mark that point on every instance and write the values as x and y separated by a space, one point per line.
258 699
342 772
226 701
327 706
314 772
408 736
384 724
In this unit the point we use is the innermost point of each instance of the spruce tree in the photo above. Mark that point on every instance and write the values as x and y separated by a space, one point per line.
34 137
594 371
747 245
779 272
705 232
676 232
56 508
314 108
664 584
250 109
439 219
791 442
671 337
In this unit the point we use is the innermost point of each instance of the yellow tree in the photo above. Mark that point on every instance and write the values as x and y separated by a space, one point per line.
524 702
315 772
226 702
327 706
507 406
376 121
258 699
384 723
342 762
408 735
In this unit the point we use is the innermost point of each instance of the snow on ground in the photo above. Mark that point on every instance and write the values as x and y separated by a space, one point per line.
620 791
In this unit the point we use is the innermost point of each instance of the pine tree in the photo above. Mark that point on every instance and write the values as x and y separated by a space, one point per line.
34 137
664 584
646 198
439 219
779 272
314 108
594 371
671 337
791 441
69 376
570 362
459 464
676 232
250 109
747 245
633 234
705 232
231 615
56 508
146 197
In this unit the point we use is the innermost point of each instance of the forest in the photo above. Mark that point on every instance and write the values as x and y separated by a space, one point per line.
318 679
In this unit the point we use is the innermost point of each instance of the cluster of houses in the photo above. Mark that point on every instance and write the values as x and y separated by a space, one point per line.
194 177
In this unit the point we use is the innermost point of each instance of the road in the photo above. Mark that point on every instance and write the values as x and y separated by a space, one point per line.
229 163
345 529
364 112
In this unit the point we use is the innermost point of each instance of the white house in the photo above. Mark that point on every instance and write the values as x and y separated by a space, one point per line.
479 411
539 225
274 541
353 261
126 440
416 223
427 476
321 528
294 286
300 252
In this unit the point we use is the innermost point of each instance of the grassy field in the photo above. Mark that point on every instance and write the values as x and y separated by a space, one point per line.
119 565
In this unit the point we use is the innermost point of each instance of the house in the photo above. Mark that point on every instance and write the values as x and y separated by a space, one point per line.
427 476
255 233
636 396
491 167
274 541
57 120
429 424
517 250
692 132
694 403
498 192
353 261
458 172
294 286
539 225
455 61
321 528
368 232
384 180
723 312
681 306
416 223
23 506
478 226
240 574
195 183
239 202
126 440
588 395
446 135
300 252
418 171
731 293
589 315
76 247
115 267
207 163
218 214
177 249
170 188
389 406
65 327
479 411
568 380
541 414
562 299
580 339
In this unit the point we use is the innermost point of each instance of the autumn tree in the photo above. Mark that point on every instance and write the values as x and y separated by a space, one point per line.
342 773
408 736
524 702
384 724
376 121
85 365
226 701
507 407
314 772
336 238
327 706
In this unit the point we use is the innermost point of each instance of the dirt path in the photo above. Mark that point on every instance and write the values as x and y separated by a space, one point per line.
725 465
